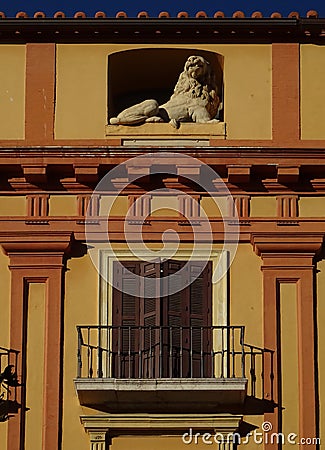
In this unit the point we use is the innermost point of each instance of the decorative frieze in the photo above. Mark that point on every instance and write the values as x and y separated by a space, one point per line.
37 205
239 204
139 206
88 205
189 206
287 206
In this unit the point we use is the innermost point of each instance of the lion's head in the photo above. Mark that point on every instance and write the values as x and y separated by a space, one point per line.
197 81
196 67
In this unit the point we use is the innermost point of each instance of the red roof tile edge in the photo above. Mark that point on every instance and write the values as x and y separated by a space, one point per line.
312 14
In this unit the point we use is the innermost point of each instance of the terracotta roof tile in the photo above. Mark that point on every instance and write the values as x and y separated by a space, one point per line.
276 15
21 15
39 15
257 15
163 14
59 15
238 15
312 14
80 15
143 15
294 15
182 15
201 14
121 15
219 15
100 15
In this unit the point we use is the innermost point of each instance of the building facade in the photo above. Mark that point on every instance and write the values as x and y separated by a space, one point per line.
115 333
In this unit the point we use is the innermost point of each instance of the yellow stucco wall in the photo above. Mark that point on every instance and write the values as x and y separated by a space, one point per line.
312 101
12 91
12 205
210 206
165 206
312 207
263 207
113 206
80 307
246 294
81 99
157 443
63 205
246 308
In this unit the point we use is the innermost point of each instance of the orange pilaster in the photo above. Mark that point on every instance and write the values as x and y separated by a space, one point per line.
40 262
285 260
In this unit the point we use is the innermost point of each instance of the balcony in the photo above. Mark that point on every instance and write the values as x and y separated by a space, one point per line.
8 383
167 369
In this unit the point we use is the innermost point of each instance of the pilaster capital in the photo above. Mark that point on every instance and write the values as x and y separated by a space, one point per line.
98 439
287 243
35 249
287 250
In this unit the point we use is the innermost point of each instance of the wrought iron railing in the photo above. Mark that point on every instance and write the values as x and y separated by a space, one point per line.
139 352
8 376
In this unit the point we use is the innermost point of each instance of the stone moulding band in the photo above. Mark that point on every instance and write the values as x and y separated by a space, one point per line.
121 424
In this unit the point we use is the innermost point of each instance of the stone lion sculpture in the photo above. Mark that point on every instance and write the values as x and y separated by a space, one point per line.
195 99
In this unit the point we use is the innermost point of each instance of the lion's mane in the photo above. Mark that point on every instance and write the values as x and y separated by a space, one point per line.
204 87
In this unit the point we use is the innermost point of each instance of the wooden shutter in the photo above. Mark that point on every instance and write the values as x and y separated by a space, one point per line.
188 311
150 294
125 319
199 318
150 320
173 307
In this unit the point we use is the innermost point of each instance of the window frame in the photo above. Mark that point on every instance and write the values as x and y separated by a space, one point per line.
220 301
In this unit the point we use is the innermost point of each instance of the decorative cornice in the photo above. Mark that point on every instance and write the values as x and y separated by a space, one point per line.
278 171
145 29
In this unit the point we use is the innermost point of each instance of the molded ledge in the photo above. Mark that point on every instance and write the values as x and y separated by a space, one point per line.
166 131
121 424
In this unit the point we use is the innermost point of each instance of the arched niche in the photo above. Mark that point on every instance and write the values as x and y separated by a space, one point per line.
140 74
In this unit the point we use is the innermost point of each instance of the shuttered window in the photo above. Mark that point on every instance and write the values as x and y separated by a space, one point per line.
167 335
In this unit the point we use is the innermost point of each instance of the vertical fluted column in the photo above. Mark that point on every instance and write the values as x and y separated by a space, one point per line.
98 440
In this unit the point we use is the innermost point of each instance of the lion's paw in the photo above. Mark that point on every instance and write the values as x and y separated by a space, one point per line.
154 119
174 123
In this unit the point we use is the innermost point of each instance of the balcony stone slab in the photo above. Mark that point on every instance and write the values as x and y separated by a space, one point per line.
195 395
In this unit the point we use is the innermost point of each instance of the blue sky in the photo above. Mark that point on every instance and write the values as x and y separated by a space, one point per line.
110 7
